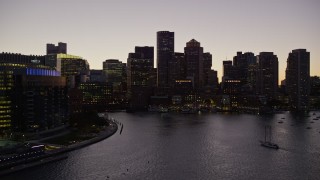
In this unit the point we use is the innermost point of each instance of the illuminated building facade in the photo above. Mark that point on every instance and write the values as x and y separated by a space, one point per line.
75 68
27 89
139 77
96 95
232 87
140 67
9 64
115 72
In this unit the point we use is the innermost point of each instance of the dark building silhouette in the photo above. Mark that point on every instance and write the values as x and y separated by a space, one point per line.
61 48
16 58
314 99
298 79
165 54
227 70
213 80
194 60
207 64
97 76
250 87
177 68
267 77
315 85
139 76
39 100
242 62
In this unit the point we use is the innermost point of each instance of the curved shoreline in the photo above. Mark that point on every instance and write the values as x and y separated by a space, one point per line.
102 135
59 154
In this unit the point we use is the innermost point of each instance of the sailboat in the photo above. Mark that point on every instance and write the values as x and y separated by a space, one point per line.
267 142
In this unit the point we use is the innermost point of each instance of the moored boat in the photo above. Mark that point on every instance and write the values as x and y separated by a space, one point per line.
267 141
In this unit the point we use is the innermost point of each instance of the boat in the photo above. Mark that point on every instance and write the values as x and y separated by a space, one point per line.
267 141
187 110
163 110
153 109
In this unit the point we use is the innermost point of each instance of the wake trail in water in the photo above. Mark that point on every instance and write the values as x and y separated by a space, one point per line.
289 150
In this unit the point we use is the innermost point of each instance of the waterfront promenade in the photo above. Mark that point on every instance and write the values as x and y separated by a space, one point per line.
61 152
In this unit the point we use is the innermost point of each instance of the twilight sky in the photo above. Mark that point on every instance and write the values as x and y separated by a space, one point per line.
109 29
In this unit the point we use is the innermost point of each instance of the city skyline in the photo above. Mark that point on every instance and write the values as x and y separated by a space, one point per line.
110 30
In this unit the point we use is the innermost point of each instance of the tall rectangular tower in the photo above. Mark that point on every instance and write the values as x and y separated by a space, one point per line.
207 64
165 54
298 79
140 67
267 78
194 59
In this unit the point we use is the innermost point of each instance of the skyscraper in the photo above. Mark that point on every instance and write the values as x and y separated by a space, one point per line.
298 79
242 62
61 48
140 66
227 69
32 95
194 59
207 64
267 78
115 72
139 77
177 68
113 69
165 54
75 68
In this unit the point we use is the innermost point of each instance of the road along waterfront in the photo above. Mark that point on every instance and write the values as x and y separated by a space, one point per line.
61 152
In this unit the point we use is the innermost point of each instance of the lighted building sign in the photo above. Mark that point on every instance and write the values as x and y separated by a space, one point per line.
35 61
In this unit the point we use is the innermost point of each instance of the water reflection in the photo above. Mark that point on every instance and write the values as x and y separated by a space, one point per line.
193 146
